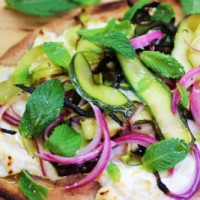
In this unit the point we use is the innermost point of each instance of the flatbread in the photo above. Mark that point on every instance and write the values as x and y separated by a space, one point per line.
11 191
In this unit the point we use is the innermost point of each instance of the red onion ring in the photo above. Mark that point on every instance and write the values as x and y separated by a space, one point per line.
194 101
146 39
186 81
52 125
134 137
97 138
104 158
71 160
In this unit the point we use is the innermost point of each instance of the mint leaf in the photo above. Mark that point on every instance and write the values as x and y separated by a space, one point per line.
190 7
163 64
42 108
116 41
165 154
164 12
31 189
41 8
113 172
184 95
64 141
124 27
57 53
87 3
131 12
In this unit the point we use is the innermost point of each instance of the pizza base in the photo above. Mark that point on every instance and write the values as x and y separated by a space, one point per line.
11 191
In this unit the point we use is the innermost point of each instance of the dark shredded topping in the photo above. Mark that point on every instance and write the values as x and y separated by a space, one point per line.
11 132
118 76
65 170
115 118
25 88
160 184
140 151
76 109
129 3
102 65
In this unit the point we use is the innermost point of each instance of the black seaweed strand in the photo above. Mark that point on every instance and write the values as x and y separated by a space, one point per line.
160 184
102 65
25 88
76 109
11 132
115 118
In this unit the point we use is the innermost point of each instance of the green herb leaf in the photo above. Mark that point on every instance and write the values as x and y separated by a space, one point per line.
163 64
165 154
64 141
87 3
31 189
41 8
190 7
42 108
116 41
184 95
124 27
57 53
164 12
131 12
113 172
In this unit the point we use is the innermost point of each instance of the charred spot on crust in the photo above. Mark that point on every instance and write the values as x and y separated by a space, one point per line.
104 192
9 157
41 32
10 172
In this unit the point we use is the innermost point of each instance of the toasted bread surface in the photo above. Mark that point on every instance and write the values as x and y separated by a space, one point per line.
11 191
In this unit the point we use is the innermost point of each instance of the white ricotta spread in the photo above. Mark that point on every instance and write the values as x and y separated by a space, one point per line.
138 184
13 155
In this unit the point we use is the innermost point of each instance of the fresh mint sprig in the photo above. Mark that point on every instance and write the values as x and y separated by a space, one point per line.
57 53
190 6
131 12
115 40
44 8
64 141
163 64
42 108
31 189
165 154
164 12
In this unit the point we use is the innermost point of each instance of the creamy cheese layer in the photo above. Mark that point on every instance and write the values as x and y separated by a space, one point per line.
13 155
138 184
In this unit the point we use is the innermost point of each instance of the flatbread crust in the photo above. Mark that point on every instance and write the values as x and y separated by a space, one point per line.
11 191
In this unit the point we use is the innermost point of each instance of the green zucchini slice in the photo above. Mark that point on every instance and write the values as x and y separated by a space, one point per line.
105 97
157 96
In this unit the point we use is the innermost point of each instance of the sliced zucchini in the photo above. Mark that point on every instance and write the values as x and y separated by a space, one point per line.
155 94
105 97
193 55
180 51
